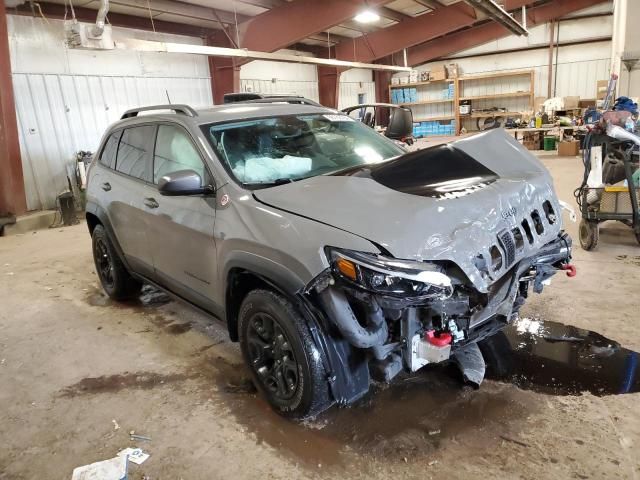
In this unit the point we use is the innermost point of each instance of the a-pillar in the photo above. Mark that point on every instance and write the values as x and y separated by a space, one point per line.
12 195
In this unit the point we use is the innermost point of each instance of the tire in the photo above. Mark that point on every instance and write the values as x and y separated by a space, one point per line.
285 364
588 235
114 277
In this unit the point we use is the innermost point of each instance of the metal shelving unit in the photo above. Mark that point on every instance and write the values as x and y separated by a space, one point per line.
459 96
420 108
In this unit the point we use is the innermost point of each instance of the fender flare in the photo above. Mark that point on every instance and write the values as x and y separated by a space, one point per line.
100 213
346 367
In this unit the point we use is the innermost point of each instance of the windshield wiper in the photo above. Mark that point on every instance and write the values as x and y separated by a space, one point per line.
277 181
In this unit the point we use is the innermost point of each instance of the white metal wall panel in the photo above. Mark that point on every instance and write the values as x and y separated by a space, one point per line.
308 89
579 67
349 92
65 99
62 114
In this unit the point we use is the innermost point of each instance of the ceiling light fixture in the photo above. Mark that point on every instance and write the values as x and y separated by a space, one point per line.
368 16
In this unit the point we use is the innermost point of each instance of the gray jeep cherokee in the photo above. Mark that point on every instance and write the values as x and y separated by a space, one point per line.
333 256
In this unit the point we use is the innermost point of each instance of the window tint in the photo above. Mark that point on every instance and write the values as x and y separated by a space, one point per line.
133 155
174 152
108 157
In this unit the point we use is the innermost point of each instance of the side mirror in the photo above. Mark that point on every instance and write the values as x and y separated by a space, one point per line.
183 182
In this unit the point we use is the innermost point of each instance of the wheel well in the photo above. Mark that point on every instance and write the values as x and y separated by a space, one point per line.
92 222
239 283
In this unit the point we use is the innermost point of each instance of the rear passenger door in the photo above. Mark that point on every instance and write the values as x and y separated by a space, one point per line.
181 230
125 186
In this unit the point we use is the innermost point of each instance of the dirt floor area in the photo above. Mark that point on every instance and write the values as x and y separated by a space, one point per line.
78 373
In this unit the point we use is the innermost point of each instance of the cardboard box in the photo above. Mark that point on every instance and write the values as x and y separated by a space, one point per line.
452 70
571 102
569 149
601 89
438 73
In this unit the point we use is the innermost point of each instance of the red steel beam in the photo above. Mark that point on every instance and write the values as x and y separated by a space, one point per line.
224 71
296 20
328 86
55 10
489 31
408 33
13 200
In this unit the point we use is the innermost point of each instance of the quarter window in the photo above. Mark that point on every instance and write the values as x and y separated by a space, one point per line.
133 152
174 152
108 156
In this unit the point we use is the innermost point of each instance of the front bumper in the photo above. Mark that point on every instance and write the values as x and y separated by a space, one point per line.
385 326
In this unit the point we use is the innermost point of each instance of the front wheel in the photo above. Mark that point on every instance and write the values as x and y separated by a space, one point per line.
284 361
588 234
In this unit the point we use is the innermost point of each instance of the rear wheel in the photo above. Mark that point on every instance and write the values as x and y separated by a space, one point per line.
588 234
113 275
284 361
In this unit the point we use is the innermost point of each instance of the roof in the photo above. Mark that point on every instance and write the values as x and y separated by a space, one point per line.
230 112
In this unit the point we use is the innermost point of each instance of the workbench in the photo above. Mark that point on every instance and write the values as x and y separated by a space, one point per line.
542 130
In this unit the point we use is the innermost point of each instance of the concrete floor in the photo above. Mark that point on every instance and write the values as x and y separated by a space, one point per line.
73 364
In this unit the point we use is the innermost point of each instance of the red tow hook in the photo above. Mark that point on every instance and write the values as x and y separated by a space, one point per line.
571 269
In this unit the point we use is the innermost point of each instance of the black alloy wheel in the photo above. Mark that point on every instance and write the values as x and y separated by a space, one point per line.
286 365
104 264
272 356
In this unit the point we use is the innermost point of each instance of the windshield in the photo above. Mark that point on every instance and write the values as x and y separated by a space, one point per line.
270 151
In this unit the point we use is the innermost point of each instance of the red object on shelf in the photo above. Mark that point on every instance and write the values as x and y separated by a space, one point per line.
442 340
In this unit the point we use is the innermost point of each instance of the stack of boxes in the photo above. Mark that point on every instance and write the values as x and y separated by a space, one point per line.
434 127
404 95
447 93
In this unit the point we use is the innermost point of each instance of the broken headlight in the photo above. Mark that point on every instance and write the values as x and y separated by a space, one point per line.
389 276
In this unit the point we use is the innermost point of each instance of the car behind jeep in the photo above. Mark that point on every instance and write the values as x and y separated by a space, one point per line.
334 257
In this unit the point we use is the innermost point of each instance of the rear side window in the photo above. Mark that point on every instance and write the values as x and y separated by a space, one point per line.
108 157
133 157
174 152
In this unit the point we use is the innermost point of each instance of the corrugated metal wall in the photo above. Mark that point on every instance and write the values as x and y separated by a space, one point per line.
349 93
306 88
59 115
65 99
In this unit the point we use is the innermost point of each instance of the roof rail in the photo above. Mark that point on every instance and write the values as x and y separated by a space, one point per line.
287 99
178 108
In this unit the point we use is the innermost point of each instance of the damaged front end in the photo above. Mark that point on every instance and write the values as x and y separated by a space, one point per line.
388 315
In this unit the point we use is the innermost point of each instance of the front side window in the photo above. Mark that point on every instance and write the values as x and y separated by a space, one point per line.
268 151
133 152
174 152
108 156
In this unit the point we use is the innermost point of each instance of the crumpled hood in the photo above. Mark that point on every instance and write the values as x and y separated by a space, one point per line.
456 225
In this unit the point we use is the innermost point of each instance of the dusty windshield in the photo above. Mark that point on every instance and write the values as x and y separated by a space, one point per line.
269 151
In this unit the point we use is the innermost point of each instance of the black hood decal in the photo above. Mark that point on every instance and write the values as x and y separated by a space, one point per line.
438 172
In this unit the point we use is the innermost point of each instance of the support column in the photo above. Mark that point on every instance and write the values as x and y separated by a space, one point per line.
382 80
224 71
12 194
328 86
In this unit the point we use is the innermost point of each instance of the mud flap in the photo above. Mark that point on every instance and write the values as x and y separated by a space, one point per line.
347 368
471 363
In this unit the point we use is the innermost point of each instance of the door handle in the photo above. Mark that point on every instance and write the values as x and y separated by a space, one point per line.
106 186
151 202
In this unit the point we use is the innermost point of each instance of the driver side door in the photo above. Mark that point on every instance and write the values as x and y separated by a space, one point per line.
180 229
